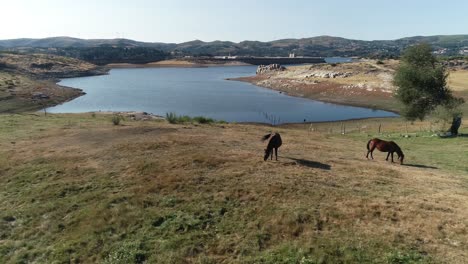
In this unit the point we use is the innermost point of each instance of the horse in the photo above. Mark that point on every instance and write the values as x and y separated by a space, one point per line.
274 143
384 146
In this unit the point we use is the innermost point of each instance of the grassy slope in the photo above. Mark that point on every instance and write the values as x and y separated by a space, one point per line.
22 76
74 187
16 93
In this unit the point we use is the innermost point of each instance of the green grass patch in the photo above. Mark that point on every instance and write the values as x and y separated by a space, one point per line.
173 118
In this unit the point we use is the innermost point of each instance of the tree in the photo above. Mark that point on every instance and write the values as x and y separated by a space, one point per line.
422 84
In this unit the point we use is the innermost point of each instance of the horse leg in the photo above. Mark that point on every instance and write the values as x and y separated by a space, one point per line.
370 152
392 157
271 153
276 152
387 156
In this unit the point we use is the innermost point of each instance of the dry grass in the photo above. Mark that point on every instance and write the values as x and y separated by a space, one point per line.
17 92
369 84
458 80
75 187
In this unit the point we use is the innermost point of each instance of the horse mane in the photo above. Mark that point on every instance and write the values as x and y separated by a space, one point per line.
265 137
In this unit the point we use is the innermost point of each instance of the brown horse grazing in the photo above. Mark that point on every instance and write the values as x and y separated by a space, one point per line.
274 143
384 146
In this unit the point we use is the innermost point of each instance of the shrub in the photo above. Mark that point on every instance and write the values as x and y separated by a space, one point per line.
203 120
173 118
380 62
116 119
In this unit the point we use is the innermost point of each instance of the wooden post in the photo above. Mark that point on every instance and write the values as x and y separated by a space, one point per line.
380 126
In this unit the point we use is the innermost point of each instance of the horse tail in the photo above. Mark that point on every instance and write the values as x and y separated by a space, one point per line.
368 144
265 137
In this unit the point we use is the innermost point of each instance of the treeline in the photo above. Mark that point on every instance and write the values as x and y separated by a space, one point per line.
103 55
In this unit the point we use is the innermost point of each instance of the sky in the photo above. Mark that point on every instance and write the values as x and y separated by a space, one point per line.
176 21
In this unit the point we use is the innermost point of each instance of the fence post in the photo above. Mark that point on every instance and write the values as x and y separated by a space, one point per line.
380 126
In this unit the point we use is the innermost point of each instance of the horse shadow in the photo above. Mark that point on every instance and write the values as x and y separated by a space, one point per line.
311 164
420 166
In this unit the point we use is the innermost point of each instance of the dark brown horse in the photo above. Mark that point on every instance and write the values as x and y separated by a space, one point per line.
384 146
274 143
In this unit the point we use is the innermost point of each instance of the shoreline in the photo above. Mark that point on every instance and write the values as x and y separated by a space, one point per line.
328 101
240 79
160 117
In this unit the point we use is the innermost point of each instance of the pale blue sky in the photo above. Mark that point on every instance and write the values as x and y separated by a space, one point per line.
236 20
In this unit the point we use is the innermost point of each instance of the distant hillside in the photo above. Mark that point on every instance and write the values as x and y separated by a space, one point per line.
46 66
322 46
66 42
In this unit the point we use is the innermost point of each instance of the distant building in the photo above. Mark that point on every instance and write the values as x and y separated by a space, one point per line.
464 51
440 51
292 55
229 57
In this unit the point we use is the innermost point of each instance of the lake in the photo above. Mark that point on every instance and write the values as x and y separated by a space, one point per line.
200 92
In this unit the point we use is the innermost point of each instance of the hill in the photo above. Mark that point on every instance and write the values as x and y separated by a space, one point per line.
321 46
362 83
28 81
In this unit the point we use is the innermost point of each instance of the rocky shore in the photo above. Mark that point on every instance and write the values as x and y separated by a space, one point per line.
365 83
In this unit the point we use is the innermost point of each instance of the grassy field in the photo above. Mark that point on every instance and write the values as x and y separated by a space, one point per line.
76 188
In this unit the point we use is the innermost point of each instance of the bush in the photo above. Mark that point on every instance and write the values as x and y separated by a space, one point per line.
203 120
116 119
380 62
173 118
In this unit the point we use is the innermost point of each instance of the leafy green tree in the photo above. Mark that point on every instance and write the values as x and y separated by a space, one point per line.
422 84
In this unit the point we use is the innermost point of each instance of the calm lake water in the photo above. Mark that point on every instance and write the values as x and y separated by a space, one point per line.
200 92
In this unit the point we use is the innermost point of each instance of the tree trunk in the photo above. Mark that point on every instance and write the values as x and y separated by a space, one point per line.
456 123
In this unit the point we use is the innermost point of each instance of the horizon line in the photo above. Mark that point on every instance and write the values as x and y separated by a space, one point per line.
218 40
